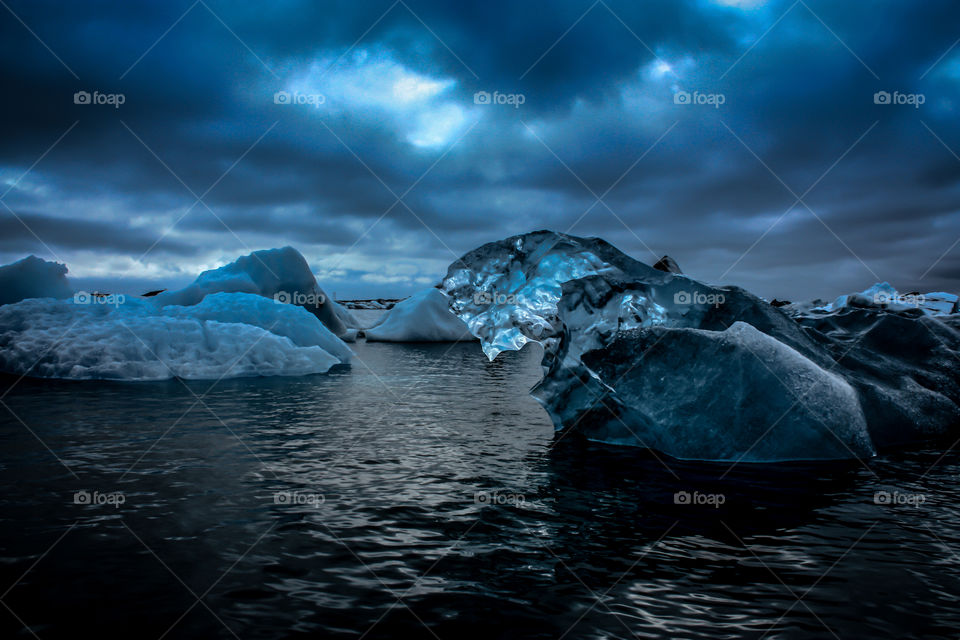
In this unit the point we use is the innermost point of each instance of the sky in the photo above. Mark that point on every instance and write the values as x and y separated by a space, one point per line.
798 149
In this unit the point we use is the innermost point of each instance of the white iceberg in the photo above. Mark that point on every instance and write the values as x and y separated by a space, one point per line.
231 322
226 335
423 317
33 277
883 295
282 274
287 320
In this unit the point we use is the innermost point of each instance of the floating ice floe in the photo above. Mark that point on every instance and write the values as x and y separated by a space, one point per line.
423 317
226 335
882 296
639 356
259 316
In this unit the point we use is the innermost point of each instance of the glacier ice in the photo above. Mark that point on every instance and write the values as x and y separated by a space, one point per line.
883 295
224 335
33 277
762 384
281 319
639 356
282 274
230 322
346 317
423 317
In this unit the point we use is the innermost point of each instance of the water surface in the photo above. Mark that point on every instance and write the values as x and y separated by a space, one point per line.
422 493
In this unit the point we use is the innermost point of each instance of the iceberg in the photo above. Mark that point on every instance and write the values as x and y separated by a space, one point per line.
33 277
640 356
290 321
423 317
281 274
226 335
883 295
262 315
801 403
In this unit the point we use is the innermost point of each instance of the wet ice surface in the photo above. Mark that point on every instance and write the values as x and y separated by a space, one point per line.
398 448
636 356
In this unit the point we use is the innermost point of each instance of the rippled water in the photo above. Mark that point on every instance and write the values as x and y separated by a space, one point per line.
422 494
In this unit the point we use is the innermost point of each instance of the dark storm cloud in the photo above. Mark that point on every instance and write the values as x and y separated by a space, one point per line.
598 80
32 233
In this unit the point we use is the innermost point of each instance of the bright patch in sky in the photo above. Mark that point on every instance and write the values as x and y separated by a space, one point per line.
437 126
376 86
741 4
412 87
661 68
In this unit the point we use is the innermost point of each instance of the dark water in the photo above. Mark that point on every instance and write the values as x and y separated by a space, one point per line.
429 500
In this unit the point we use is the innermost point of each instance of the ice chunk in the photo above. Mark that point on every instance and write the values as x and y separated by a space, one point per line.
281 274
883 295
226 335
346 317
294 322
33 277
880 376
903 365
423 317
507 291
767 402
938 303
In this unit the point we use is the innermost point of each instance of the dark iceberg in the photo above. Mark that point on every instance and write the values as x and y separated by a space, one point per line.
638 356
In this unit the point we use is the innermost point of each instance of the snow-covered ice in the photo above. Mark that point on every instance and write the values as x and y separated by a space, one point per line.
288 320
281 274
33 277
230 322
226 335
423 317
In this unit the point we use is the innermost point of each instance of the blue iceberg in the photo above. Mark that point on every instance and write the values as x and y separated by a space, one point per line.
637 356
